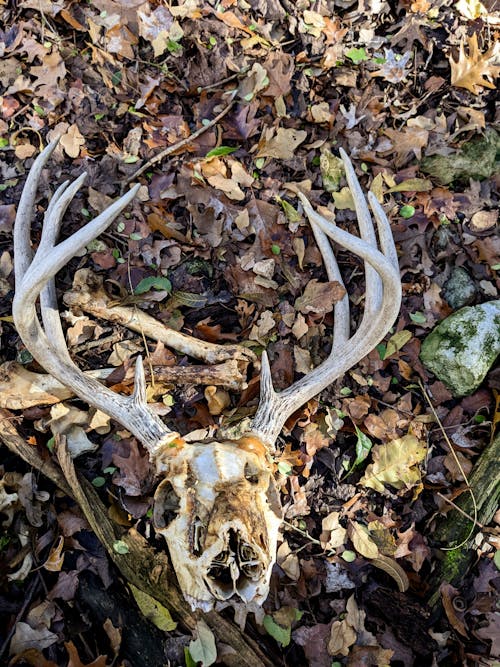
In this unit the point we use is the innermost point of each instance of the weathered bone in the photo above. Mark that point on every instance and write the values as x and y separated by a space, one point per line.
217 505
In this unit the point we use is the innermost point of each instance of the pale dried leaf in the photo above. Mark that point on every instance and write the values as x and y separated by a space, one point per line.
395 463
474 69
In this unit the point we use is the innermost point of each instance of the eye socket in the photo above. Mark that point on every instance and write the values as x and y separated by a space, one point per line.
166 505
251 473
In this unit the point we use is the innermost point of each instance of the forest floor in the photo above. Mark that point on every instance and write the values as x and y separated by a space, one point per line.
248 102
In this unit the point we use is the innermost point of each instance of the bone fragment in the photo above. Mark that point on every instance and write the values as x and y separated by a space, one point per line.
88 294
21 388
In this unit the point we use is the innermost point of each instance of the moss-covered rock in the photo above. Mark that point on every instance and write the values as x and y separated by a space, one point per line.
463 347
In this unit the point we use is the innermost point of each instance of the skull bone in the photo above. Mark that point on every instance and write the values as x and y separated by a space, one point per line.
219 512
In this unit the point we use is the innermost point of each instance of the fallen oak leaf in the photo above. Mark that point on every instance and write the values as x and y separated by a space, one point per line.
473 70
281 145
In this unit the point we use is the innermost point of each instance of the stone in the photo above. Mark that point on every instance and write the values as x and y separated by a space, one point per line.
459 290
463 347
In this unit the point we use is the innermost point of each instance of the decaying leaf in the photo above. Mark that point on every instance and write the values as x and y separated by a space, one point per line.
474 69
319 297
153 610
395 464
362 541
281 145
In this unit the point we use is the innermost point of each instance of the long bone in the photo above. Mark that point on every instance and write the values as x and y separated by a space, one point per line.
217 506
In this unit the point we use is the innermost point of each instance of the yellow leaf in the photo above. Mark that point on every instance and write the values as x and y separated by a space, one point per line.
471 9
362 541
473 69
397 341
153 610
395 463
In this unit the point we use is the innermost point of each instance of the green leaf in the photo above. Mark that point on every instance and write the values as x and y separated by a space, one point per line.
120 547
407 211
275 249
496 559
284 467
116 78
203 648
130 159
357 55
98 482
348 556
221 150
153 610
292 215
280 634
397 341
495 267
187 657
418 317
363 447
412 185
135 236
4 142
153 282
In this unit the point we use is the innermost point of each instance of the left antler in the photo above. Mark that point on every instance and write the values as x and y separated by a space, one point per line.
382 303
35 277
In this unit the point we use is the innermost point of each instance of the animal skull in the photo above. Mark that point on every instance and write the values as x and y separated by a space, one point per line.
219 512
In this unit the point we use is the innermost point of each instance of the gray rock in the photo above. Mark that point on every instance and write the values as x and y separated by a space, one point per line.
463 347
459 289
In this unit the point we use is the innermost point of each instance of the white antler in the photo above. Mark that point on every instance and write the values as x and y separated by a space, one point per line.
35 277
382 303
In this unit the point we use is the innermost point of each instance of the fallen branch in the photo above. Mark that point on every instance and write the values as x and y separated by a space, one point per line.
457 525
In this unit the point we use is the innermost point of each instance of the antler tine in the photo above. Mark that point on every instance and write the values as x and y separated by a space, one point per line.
382 303
35 277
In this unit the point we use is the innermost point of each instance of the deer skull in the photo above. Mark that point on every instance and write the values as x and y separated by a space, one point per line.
219 512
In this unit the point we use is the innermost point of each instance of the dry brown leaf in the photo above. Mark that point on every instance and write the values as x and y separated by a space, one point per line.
333 535
281 145
473 70
394 570
319 297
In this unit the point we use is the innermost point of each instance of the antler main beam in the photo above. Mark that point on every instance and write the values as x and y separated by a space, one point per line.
382 303
35 277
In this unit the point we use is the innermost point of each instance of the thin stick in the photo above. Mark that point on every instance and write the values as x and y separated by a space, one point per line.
455 506
459 465
175 147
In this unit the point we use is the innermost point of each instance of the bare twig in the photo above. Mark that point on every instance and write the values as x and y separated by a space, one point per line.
180 144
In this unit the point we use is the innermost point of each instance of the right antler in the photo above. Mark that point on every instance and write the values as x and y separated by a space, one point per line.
382 303
35 277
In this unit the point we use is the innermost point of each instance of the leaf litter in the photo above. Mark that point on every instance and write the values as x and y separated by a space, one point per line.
218 236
